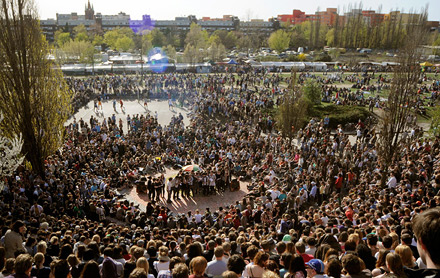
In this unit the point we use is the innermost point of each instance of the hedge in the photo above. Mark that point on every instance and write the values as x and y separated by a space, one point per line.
340 114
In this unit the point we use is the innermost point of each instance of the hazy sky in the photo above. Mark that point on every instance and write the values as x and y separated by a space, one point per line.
244 9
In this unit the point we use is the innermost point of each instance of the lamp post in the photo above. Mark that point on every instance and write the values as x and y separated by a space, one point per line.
142 63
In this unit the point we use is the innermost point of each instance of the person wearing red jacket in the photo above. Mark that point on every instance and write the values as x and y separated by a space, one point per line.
338 183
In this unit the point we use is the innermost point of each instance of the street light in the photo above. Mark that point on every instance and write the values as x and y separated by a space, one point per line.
142 63
142 69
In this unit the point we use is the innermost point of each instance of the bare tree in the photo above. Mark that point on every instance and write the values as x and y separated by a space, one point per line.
293 109
34 98
403 94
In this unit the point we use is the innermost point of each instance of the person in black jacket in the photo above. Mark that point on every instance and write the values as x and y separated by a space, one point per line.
209 253
39 270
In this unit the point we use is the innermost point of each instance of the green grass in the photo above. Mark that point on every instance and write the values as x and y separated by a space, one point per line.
426 119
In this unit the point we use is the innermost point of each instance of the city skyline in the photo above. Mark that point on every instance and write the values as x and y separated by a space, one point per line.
245 9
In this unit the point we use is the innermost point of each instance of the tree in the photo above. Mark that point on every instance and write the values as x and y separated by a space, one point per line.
10 156
302 57
190 54
157 38
244 42
110 38
80 33
34 98
216 51
435 122
172 37
81 51
297 37
124 43
146 43
312 91
402 95
293 109
120 38
98 40
171 52
196 37
279 41
330 37
214 39
436 43
61 38
334 53
221 34
230 40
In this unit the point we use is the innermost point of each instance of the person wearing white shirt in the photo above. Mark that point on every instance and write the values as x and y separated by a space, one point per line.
170 185
392 181
314 190
198 217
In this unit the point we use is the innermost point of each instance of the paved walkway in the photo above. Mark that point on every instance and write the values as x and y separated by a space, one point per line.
132 107
191 204
164 115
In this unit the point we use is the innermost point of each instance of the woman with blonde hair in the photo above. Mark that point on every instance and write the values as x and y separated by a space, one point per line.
270 274
39 270
406 255
354 237
395 238
73 262
96 238
163 262
142 263
151 243
394 264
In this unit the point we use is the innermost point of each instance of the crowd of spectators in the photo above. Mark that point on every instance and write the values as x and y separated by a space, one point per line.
318 205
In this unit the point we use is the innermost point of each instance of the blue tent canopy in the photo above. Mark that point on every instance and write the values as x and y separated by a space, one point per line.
232 62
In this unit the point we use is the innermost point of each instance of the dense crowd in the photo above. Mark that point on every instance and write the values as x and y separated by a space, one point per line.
317 205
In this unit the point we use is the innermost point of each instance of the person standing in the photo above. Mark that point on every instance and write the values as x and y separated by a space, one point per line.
169 189
150 188
14 239
216 267
22 266
122 105
426 228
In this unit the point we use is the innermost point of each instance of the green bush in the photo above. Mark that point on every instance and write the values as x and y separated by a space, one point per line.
340 114
292 58
323 57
